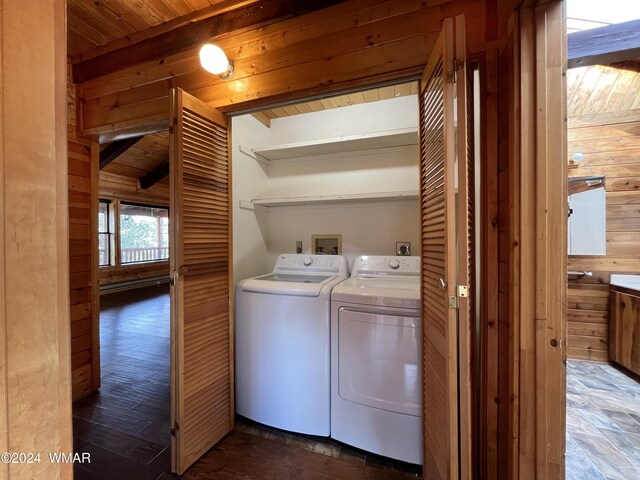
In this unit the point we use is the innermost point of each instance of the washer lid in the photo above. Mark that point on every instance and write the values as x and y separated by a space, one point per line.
391 291
287 284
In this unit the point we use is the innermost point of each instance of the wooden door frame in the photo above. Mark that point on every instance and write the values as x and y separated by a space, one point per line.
484 405
485 428
535 304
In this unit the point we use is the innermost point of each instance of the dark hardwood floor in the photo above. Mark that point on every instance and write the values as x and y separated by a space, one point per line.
125 426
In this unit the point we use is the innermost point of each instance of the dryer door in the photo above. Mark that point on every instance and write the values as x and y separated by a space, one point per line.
379 360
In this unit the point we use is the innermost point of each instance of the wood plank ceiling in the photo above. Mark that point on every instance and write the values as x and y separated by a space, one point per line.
354 98
142 158
96 27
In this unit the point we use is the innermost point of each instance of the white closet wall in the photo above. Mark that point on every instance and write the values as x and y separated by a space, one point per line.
250 228
367 227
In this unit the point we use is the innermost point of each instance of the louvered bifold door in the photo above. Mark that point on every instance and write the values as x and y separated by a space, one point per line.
202 369
437 197
465 204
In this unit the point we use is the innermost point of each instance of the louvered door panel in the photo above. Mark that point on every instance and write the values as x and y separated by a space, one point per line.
202 394
437 157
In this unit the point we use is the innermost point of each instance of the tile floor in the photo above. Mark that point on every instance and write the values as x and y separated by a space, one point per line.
603 423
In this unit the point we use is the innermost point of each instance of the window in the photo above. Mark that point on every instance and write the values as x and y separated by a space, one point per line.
104 239
144 233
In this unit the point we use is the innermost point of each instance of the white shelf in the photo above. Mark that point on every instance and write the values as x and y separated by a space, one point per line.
325 199
350 143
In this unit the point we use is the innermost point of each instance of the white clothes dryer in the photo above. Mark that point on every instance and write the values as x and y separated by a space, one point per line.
282 343
376 374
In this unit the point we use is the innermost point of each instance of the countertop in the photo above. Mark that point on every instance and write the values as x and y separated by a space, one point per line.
629 282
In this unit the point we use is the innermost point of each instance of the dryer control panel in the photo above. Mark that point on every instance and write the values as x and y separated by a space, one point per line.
385 265
335 264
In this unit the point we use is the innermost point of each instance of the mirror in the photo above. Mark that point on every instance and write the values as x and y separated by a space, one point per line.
587 234
326 244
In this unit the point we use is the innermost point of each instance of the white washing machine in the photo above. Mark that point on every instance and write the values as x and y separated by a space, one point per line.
376 374
282 343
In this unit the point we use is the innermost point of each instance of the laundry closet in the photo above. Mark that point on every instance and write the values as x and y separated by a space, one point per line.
321 194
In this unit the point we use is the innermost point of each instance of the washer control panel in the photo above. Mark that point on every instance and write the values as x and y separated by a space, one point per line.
386 265
336 264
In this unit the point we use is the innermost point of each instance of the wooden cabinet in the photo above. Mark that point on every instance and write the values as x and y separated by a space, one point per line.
624 339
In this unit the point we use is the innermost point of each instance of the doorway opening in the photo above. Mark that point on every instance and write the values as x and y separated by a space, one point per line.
125 425
342 168
603 359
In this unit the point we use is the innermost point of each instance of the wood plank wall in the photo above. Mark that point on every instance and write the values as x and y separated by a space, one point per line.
120 187
354 43
532 241
82 262
604 124
35 374
506 400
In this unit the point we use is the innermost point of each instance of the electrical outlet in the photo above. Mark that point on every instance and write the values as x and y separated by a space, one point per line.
403 248
298 246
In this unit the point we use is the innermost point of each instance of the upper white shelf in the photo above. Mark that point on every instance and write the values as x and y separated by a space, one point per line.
324 199
349 143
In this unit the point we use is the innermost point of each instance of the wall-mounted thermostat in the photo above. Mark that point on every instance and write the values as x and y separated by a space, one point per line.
403 248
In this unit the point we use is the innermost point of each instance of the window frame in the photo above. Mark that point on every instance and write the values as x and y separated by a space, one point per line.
109 232
120 262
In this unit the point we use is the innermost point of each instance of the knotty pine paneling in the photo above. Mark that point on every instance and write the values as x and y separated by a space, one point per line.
82 268
148 153
120 187
354 43
92 24
125 273
604 124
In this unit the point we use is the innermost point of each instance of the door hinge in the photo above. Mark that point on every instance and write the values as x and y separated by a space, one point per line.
173 125
453 302
174 429
463 291
451 76
457 64
173 279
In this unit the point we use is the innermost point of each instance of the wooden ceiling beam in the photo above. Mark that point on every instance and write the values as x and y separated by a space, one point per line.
155 175
115 149
262 118
191 35
604 45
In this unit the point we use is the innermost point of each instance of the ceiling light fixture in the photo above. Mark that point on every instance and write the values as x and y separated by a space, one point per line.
214 60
